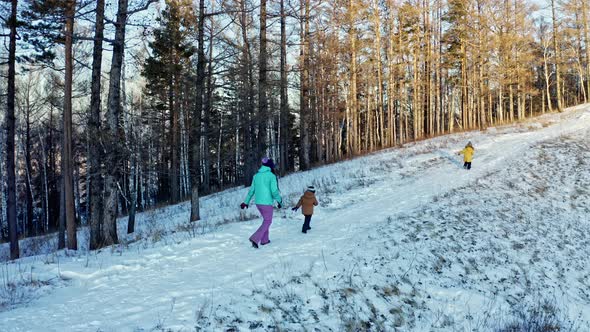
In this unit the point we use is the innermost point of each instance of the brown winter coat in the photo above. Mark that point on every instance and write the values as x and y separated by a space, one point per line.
307 201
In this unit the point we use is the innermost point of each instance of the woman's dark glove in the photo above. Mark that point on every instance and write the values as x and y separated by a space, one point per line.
243 206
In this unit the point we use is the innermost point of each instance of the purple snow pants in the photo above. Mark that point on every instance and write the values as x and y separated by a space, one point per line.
261 234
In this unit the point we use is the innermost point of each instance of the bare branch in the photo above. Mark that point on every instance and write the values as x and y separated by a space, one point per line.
141 8
82 38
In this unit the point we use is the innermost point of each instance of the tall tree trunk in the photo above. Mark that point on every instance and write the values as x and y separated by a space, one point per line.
247 94
196 118
184 124
220 173
45 225
134 174
173 105
3 219
511 102
262 84
3 224
480 68
439 70
501 104
10 139
547 76
77 194
380 93
354 134
131 142
391 119
304 144
586 43
418 83
133 181
207 118
68 169
112 128
557 58
312 111
401 111
427 68
29 168
464 88
52 166
285 134
578 50
94 134
61 237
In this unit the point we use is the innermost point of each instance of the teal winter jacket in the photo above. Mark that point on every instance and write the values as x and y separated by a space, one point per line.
264 187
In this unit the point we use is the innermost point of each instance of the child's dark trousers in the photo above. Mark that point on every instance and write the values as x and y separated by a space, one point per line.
306 224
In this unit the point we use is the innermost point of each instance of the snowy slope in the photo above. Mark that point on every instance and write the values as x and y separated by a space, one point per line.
404 239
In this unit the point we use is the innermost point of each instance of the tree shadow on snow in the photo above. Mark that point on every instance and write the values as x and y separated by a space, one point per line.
453 159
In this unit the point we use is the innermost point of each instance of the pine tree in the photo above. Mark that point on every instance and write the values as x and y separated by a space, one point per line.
50 22
166 71
10 131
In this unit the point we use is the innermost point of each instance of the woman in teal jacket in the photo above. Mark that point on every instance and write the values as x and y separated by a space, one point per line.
265 189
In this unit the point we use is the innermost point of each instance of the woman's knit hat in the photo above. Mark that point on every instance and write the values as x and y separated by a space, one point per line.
268 162
311 189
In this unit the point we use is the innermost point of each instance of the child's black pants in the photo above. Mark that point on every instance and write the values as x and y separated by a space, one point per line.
306 224
467 165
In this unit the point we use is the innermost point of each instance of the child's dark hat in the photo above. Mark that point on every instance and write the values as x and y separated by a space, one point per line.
268 162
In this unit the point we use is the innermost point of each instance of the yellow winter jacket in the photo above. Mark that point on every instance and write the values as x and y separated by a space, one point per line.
467 153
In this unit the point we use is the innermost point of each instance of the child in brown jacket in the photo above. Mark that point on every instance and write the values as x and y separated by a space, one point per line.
307 201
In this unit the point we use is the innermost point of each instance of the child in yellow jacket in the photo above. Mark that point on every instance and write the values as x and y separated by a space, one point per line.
467 155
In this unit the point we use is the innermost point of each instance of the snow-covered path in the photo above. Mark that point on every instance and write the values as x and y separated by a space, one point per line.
217 278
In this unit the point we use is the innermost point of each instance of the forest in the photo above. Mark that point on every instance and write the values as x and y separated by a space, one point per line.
112 107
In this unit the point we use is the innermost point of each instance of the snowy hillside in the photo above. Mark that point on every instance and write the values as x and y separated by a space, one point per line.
404 240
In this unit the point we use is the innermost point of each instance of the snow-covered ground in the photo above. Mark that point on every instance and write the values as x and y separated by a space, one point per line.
404 239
